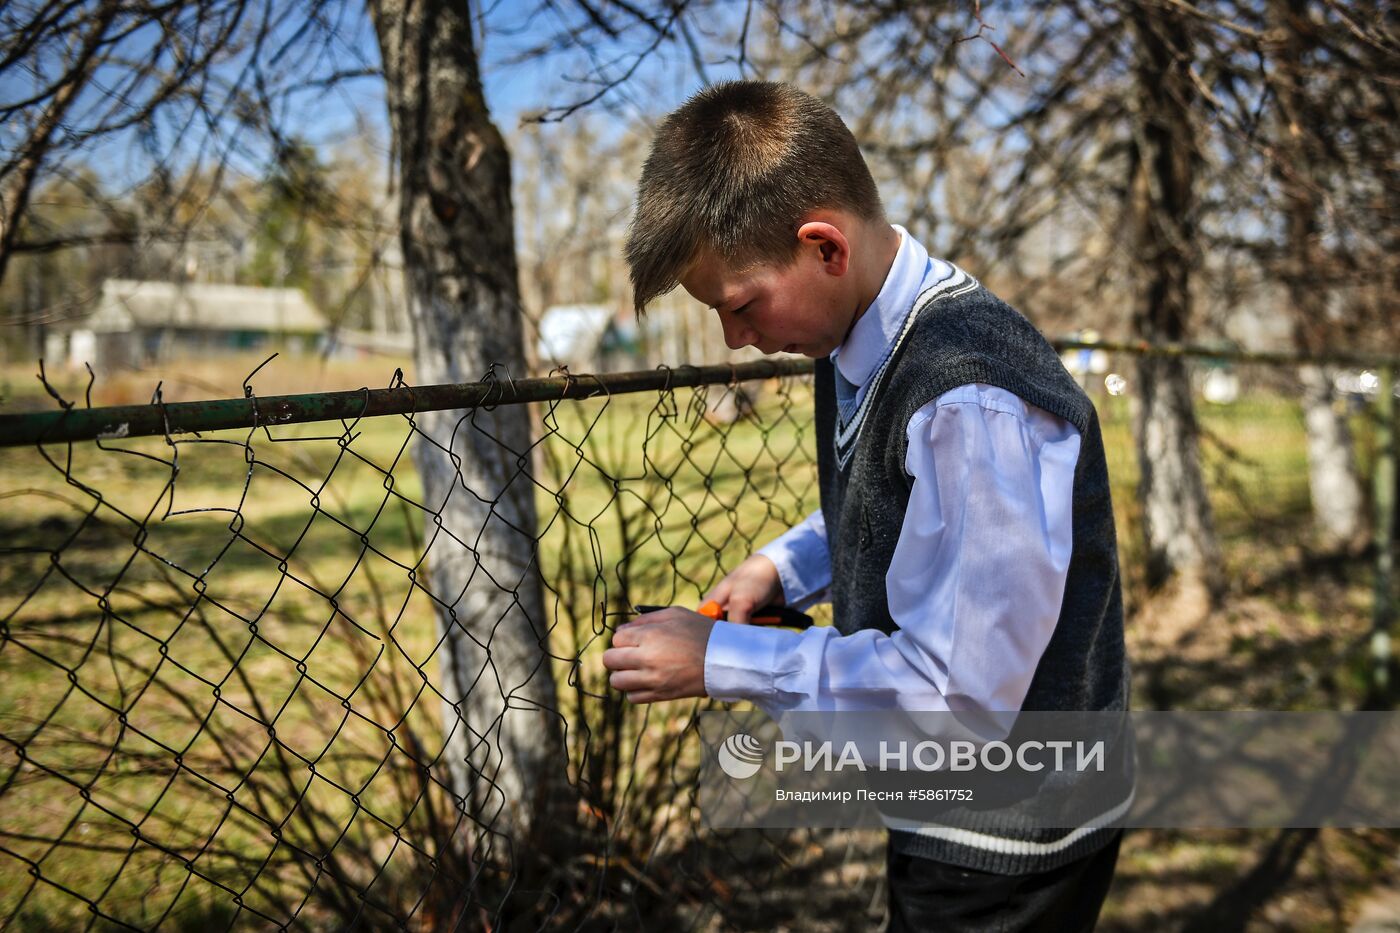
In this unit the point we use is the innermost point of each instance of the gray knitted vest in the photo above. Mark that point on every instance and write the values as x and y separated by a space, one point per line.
963 334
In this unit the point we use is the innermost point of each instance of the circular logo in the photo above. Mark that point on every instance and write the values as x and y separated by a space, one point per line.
741 755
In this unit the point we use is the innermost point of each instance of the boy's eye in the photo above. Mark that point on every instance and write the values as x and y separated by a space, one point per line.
742 308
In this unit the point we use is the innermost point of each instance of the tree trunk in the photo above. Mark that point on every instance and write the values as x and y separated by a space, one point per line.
1337 500
504 741
1177 522
1339 507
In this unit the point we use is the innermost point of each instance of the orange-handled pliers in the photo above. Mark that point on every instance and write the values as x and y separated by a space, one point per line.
768 615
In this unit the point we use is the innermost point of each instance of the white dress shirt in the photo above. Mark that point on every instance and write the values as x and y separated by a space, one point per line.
978 572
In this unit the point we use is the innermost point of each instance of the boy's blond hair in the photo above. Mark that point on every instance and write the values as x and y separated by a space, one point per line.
734 170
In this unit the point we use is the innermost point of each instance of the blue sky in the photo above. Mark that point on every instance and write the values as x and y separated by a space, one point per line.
333 117
516 89
663 79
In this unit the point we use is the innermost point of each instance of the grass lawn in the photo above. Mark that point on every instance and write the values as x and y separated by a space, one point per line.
215 659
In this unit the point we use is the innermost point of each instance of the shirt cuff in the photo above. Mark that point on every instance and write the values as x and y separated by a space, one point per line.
741 661
804 566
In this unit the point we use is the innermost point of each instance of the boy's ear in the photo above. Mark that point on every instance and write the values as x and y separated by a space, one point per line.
831 244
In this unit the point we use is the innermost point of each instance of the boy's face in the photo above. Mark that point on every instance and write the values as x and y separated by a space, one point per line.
804 307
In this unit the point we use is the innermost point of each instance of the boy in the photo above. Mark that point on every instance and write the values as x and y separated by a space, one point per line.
965 534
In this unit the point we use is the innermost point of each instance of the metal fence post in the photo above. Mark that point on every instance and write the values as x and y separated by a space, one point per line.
1385 529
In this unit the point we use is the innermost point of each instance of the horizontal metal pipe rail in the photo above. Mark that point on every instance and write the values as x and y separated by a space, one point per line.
170 418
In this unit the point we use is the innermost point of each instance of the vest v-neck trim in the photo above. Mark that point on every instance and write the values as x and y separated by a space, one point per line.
847 434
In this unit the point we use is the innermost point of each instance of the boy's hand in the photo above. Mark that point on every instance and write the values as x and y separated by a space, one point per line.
749 586
660 656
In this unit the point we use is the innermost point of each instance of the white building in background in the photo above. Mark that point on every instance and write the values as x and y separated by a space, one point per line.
137 323
572 335
588 338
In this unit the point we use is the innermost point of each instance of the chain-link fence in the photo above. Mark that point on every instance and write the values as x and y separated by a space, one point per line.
232 693
223 698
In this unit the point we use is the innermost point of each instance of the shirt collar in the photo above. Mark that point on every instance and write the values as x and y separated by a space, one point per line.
875 331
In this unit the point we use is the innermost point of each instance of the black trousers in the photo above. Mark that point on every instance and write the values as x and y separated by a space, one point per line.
931 897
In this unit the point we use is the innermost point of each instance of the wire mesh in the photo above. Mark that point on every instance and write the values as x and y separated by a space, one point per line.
233 694
224 698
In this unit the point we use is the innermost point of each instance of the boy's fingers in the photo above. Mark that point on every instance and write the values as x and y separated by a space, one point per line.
622 658
629 633
626 636
645 618
720 593
627 681
740 610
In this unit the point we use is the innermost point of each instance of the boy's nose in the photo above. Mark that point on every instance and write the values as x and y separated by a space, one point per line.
737 335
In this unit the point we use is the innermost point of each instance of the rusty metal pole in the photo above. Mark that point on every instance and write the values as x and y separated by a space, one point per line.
171 418
1381 652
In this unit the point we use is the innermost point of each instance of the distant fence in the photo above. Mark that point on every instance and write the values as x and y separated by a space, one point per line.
221 698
